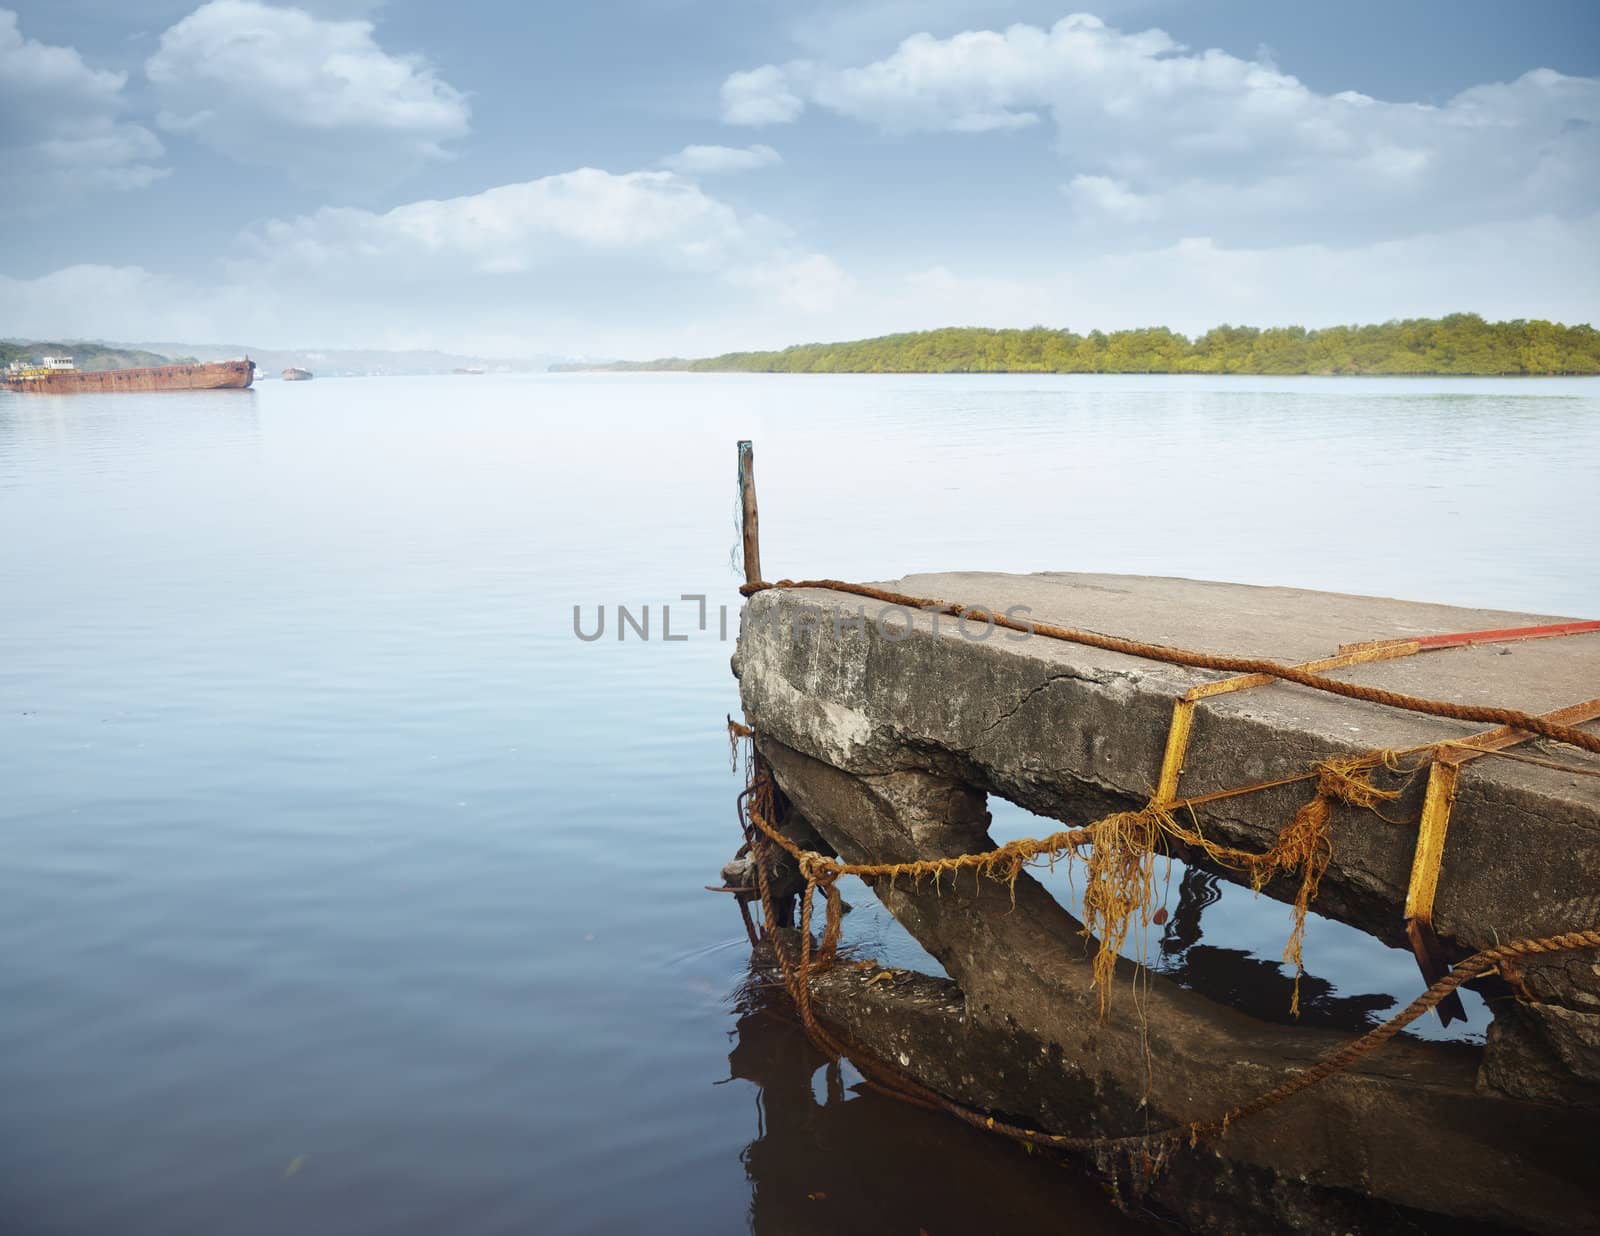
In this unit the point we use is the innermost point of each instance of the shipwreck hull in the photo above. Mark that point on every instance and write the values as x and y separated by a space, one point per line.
886 739
222 375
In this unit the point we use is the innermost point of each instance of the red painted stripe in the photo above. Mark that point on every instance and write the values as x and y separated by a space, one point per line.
1506 634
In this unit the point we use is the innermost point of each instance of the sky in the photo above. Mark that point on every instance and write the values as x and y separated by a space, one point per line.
686 177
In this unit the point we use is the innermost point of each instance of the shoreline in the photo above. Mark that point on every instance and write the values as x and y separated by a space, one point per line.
1048 373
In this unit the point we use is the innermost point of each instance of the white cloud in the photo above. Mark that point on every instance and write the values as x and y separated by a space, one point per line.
716 160
1162 141
125 303
1109 196
849 28
1529 268
812 282
60 125
317 98
584 261
760 97
756 293
614 245
657 217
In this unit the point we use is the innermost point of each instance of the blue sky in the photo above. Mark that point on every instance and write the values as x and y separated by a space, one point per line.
688 176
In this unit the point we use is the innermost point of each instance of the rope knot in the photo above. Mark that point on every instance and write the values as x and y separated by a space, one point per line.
819 869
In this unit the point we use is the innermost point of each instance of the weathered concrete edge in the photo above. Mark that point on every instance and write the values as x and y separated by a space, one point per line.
1057 728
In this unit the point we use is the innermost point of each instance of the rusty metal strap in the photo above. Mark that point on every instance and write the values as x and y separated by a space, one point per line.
1349 654
1444 779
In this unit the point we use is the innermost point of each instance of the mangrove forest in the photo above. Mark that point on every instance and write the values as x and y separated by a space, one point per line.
1462 343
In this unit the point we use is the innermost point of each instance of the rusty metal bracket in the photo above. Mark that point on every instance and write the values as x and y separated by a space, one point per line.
1444 779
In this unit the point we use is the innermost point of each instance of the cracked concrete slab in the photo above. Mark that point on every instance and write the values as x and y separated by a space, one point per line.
1072 732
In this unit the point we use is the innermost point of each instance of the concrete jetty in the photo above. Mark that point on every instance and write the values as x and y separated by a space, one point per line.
886 730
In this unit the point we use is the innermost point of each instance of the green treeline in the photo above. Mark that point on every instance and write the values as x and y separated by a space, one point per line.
1462 343
84 355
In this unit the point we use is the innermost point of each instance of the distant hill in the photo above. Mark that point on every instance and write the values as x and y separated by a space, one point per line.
325 363
356 362
1462 343
86 355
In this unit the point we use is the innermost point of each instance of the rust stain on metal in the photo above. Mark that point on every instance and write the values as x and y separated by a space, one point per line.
221 375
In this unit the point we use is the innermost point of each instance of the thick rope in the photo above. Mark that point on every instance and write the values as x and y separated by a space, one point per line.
759 798
1516 718
1122 850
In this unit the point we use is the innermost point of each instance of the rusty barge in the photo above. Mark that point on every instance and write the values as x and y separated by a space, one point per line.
58 376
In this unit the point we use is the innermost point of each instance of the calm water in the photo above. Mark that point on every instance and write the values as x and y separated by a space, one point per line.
345 891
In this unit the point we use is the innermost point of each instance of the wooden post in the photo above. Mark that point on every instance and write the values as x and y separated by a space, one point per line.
751 519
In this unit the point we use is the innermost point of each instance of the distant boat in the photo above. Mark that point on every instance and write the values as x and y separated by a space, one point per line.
297 375
466 370
58 375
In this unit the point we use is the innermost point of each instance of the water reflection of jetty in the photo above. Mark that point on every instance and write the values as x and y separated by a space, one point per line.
1257 986
831 1157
